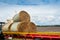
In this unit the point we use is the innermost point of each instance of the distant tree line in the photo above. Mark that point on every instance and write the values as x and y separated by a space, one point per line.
48 25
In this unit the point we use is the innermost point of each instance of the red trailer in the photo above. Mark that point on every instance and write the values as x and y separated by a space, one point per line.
37 35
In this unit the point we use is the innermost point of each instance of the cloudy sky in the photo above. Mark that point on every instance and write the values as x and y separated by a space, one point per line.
42 12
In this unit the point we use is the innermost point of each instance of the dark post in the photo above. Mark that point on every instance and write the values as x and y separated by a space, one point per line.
1 34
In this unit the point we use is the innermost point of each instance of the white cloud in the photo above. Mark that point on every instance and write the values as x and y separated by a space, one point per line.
46 18
42 13
50 18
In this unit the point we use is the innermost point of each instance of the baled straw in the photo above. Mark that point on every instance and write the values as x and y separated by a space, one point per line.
32 27
7 26
24 16
16 18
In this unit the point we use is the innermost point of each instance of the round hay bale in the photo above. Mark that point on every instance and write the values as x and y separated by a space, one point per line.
19 27
33 27
28 27
24 16
6 27
14 27
16 18
24 26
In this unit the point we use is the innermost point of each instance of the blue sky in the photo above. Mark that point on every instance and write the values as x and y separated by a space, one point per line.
42 12
30 2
